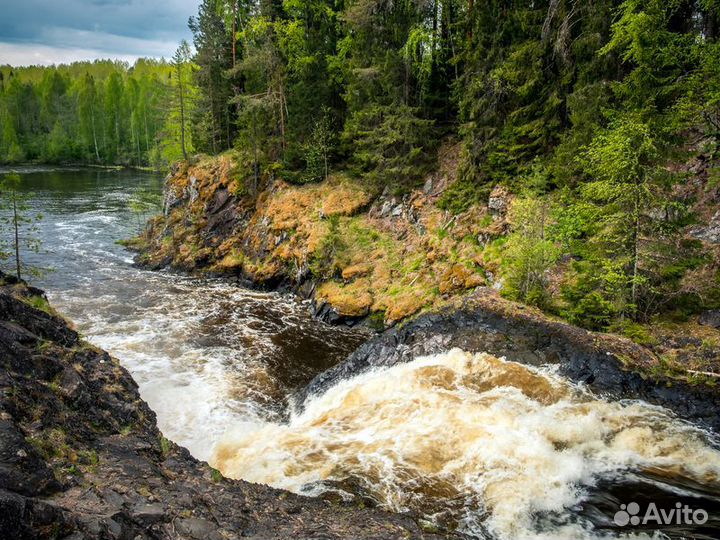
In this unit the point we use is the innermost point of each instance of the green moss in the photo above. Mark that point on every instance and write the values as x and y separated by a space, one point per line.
165 446
51 444
39 302
463 194
376 320
637 332
216 475
89 457
414 265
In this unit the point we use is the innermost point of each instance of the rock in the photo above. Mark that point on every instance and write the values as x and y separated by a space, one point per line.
325 312
71 383
386 208
711 233
170 201
192 191
428 187
149 514
194 527
488 324
12 510
499 200
710 318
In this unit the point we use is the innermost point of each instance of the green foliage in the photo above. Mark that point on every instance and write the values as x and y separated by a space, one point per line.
324 263
41 303
592 311
624 184
528 255
391 145
319 147
213 129
87 112
637 332
462 194
216 475
165 446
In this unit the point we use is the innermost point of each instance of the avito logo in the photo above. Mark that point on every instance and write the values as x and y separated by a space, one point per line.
629 514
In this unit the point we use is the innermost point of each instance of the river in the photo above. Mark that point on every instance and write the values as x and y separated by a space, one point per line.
206 354
497 449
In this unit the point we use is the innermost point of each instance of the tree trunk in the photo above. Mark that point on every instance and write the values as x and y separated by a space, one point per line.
213 112
636 247
17 237
117 135
137 144
92 121
227 127
234 33
182 113
281 103
147 136
471 5
256 171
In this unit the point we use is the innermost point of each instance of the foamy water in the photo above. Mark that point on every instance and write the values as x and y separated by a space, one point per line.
495 448
205 354
504 443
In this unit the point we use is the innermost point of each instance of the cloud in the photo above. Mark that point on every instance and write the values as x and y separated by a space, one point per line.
38 31
27 54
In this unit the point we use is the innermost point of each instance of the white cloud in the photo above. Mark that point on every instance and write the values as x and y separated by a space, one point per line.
28 54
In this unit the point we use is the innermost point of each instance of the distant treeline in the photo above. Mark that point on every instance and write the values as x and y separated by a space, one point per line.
105 112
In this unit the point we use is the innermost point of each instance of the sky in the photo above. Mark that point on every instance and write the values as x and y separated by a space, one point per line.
47 32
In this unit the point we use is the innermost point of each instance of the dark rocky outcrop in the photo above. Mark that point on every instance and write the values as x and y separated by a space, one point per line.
81 456
609 365
710 318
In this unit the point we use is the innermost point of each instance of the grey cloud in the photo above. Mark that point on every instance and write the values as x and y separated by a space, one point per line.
117 27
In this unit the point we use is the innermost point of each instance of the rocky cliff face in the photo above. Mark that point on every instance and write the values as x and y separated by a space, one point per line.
359 254
81 455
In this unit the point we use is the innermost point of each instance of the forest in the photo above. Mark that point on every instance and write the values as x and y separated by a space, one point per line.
585 111
102 112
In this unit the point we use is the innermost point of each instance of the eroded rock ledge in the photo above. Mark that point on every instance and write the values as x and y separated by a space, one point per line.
81 456
609 365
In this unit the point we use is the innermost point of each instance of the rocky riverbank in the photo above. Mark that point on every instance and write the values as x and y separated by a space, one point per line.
374 257
81 455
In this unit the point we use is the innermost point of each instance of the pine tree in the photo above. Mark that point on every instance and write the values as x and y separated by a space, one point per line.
179 61
213 117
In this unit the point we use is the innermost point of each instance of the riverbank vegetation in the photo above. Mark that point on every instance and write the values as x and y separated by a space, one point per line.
601 121
566 152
